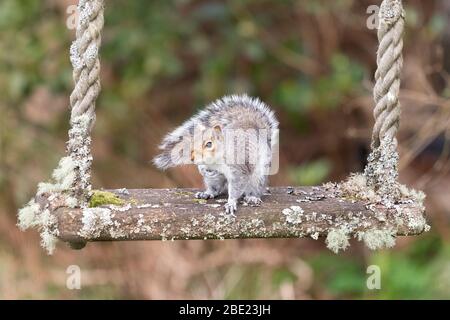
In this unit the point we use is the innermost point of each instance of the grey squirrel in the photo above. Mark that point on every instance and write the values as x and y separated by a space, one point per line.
233 142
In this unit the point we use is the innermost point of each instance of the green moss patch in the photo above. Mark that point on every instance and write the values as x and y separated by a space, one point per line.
200 201
184 193
100 198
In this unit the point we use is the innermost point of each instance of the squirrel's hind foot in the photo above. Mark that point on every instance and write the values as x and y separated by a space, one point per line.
252 201
205 195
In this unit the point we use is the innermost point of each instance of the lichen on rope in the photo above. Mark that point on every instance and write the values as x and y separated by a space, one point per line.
86 73
382 168
379 184
71 183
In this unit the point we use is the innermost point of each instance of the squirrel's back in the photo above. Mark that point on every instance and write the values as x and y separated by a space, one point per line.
239 111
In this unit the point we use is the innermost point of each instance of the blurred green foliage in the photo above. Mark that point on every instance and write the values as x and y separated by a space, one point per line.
419 272
311 173
325 92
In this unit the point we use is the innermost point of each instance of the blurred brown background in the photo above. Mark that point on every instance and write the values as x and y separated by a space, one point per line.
312 61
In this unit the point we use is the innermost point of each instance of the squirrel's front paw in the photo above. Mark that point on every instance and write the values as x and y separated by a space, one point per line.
231 207
252 201
204 195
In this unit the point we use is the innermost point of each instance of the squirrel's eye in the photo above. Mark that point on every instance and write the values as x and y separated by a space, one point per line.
208 144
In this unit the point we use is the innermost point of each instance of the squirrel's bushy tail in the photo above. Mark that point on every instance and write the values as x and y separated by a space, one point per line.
172 155
175 147
163 161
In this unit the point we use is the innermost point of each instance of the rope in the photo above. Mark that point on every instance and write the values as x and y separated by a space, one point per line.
382 168
86 74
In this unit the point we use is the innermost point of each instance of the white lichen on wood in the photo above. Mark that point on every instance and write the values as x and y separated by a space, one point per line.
64 174
293 214
28 215
144 206
358 187
416 223
314 235
377 239
48 231
71 202
95 221
120 208
337 240
48 241
409 193
63 178
33 215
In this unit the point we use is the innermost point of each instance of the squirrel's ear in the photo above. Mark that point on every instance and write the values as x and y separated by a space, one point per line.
217 129
217 132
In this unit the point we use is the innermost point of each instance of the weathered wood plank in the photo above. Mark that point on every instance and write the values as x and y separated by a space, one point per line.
172 214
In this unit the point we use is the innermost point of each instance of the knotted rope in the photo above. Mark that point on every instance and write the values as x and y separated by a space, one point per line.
382 168
86 74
